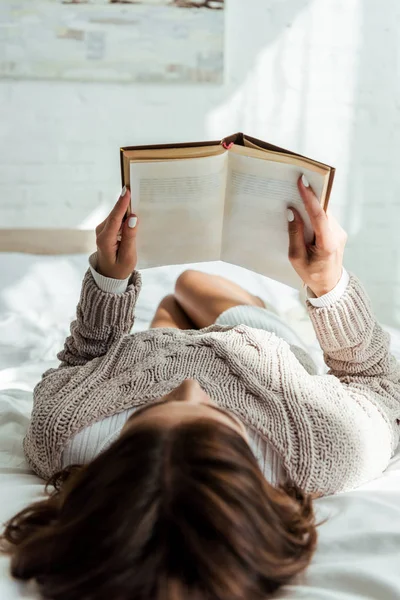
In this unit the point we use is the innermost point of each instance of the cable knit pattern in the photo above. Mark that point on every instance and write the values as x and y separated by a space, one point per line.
332 432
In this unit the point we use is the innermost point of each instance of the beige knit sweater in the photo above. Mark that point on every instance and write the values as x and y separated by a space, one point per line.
332 432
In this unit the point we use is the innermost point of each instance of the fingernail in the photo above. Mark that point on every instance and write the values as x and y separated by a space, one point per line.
132 222
123 191
304 181
290 215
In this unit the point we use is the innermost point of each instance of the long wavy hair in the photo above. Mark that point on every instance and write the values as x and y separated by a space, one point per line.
173 513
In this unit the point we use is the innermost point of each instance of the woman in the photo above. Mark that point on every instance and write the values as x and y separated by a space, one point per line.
203 440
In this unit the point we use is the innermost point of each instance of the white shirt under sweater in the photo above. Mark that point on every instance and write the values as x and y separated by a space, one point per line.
96 438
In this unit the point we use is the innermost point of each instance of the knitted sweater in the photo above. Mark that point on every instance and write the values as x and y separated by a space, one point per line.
332 432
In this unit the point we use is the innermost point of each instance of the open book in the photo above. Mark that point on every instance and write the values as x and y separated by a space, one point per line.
223 200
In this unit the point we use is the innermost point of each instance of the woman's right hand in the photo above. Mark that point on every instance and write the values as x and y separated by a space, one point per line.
116 241
319 265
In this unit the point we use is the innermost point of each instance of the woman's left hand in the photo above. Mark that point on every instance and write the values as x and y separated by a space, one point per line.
117 259
320 265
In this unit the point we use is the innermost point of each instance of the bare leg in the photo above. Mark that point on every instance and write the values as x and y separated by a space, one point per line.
170 314
204 297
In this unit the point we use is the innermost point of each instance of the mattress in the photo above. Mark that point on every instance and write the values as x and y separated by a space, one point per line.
358 554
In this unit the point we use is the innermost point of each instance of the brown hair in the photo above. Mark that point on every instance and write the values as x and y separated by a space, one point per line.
164 514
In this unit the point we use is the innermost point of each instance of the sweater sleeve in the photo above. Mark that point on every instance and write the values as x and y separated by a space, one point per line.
101 319
357 352
354 344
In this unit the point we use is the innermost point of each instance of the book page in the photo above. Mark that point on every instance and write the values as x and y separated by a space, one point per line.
180 205
173 152
290 157
281 157
255 231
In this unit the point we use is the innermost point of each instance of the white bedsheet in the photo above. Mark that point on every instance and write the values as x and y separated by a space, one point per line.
359 546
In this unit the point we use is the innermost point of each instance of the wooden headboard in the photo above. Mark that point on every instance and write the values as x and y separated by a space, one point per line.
47 241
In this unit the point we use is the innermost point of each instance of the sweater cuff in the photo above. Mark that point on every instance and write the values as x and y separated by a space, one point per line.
345 323
101 310
106 284
332 296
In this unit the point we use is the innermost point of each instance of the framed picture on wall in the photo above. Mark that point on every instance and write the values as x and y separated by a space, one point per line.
132 41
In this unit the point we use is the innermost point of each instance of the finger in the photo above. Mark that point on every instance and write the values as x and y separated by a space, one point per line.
318 218
297 244
127 247
115 218
101 225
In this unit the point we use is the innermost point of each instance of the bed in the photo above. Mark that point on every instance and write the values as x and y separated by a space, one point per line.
359 545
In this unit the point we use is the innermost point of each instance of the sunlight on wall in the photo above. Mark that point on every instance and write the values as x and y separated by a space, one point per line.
299 94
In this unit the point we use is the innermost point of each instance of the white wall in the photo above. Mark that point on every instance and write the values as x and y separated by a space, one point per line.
317 76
